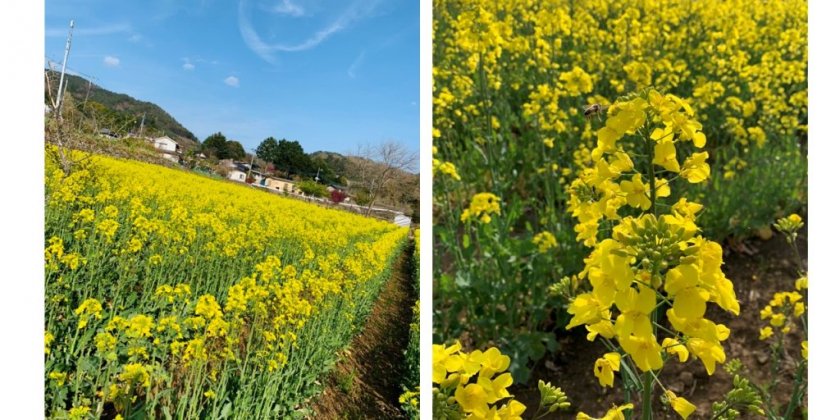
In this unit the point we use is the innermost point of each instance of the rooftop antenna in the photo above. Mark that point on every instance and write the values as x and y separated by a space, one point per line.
64 68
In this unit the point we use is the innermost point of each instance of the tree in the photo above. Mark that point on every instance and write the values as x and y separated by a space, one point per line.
376 166
337 196
234 150
287 156
267 150
215 144
312 188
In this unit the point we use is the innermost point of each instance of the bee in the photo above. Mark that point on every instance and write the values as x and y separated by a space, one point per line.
592 110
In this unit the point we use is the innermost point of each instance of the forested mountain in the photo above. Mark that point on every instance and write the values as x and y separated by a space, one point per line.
117 112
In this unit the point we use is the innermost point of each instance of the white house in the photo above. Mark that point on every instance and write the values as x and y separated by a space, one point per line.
166 144
237 175
239 172
402 220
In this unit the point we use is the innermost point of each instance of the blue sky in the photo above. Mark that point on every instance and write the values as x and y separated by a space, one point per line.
330 74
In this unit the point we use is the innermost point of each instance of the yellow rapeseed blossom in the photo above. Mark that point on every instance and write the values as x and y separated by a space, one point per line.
545 241
481 207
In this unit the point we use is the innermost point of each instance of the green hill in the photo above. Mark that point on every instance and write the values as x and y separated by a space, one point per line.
119 112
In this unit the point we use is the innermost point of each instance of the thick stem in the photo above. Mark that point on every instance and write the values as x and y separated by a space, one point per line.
647 396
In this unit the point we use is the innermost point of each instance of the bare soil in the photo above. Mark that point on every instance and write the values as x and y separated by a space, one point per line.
366 383
758 269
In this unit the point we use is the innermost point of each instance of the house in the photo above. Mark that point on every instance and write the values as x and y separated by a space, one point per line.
239 171
236 174
167 145
402 220
170 149
281 185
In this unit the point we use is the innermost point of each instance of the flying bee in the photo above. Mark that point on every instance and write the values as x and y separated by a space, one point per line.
592 110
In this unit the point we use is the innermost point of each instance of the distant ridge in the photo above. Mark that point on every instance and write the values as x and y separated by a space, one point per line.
125 111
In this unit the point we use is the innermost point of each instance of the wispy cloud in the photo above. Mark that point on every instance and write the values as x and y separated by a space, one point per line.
286 7
232 81
111 61
189 66
135 38
80 30
356 11
351 71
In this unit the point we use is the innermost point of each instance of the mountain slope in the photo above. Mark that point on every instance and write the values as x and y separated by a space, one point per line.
121 107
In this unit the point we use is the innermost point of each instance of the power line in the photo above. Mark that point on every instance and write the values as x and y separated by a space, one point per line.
72 71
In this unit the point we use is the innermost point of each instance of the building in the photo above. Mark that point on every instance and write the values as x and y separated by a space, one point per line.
170 149
402 220
280 185
239 172
167 145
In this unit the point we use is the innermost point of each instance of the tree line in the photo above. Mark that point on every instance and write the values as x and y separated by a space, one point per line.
372 173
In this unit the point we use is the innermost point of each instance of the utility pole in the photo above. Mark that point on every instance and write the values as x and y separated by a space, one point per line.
251 165
143 121
64 68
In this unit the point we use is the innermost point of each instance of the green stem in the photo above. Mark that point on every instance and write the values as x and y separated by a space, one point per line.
647 396
796 395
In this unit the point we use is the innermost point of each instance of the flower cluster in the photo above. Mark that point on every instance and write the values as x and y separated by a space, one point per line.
781 313
656 259
472 385
482 206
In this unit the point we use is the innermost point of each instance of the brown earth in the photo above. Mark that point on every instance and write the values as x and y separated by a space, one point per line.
366 383
758 270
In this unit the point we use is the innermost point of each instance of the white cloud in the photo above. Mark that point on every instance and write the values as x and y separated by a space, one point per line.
358 10
288 8
232 81
188 66
111 61
351 71
135 38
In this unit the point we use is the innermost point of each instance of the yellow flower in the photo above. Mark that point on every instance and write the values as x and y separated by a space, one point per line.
665 155
673 346
78 413
59 377
644 351
48 339
805 349
208 307
494 361
471 398
680 404
695 169
765 333
605 366
135 373
545 241
140 326
614 413
89 308
481 207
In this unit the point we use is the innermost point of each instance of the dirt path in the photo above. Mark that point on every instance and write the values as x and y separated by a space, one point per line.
366 383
